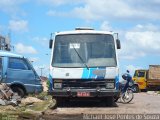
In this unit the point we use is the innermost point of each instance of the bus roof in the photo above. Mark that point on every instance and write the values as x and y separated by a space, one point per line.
81 31
9 54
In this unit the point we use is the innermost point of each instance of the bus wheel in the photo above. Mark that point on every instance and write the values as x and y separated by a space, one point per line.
60 102
110 102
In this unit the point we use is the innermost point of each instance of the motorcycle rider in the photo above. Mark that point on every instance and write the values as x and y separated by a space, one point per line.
128 78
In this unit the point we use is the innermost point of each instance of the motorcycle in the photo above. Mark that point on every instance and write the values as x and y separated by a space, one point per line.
127 96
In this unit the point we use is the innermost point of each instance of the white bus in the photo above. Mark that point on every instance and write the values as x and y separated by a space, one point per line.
83 65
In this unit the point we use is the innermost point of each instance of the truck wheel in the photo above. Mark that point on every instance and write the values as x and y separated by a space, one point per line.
135 89
144 90
19 91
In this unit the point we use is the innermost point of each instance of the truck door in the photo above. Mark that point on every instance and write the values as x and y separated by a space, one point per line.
20 72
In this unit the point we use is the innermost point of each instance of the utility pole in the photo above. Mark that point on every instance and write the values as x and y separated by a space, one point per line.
41 71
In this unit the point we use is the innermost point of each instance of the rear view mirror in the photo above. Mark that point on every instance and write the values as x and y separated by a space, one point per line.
118 44
50 43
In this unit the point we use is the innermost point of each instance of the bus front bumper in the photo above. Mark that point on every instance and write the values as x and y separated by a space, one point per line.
84 93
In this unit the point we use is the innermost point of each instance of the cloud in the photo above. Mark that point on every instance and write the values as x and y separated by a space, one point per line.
11 6
60 14
53 2
118 9
105 26
43 41
132 68
51 13
18 25
140 41
149 27
110 10
23 49
59 2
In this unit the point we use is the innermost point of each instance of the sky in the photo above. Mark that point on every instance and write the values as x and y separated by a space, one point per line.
30 23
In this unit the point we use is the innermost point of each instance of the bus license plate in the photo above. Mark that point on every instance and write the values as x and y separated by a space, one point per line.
83 94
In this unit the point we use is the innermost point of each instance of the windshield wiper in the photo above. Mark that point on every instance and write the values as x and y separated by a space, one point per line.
81 58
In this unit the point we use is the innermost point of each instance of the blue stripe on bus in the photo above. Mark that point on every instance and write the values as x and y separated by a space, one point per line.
89 74
117 82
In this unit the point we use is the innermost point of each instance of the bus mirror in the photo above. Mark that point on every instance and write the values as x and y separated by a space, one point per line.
50 43
118 44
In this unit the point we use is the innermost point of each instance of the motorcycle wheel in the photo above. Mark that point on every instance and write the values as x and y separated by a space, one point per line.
127 96
135 88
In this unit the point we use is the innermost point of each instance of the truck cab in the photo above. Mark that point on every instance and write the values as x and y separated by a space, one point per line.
17 72
140 77
84 64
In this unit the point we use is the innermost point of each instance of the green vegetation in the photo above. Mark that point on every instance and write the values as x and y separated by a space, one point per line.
48 83
41 96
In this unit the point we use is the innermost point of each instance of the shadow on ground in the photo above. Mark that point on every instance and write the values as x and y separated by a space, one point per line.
90 103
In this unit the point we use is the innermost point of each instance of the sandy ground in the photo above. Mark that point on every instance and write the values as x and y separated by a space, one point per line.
44 84
143 103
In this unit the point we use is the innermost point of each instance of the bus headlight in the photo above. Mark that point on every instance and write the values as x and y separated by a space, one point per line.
57 85
109 85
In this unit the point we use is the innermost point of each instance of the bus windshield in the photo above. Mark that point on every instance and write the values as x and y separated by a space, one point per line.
78 50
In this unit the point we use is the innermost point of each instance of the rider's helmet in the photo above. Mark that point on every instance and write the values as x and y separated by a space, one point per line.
127 76
124 76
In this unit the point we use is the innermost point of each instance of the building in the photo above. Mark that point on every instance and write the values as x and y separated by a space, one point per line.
5 43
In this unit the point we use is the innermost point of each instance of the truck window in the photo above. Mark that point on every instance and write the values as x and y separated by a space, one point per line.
141 74
18 63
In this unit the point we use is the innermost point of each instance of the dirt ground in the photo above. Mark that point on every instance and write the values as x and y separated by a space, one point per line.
143 103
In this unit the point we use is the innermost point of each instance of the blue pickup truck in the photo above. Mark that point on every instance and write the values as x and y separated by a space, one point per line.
17 72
